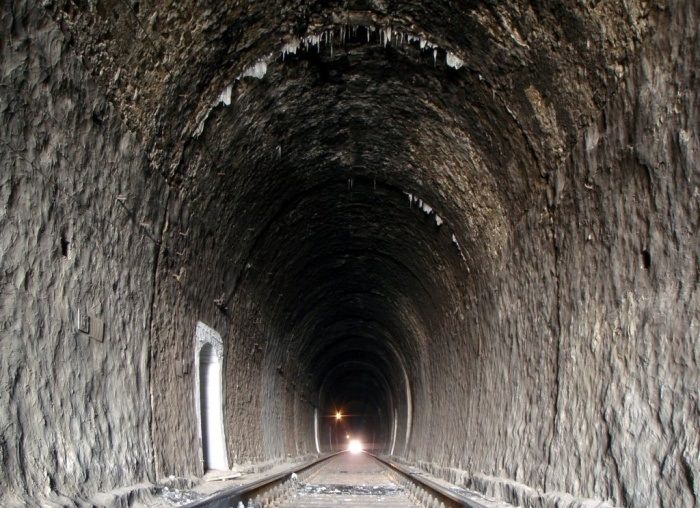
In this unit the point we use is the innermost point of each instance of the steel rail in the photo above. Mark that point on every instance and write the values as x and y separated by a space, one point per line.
241 493
439 492
426 491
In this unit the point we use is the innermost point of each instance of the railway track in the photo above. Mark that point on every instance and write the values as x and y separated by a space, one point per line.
342 479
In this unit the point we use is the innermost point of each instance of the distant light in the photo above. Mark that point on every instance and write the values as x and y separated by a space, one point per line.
347 436
338 415
354 446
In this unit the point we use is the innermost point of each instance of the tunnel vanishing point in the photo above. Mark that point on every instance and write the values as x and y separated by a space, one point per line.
470 226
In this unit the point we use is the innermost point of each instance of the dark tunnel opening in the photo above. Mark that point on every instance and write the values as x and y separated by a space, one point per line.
357 406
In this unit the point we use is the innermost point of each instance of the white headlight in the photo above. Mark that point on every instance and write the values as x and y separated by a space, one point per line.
354 446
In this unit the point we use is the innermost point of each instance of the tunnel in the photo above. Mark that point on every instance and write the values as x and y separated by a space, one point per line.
236 234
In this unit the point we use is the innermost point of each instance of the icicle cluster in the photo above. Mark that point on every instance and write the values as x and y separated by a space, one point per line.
427 209
386 34
225 96
257 70
453 60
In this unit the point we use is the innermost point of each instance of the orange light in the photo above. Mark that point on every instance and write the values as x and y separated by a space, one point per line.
338 415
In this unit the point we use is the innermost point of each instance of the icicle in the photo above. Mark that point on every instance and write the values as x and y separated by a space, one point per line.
257 71
453 60
290 48
313 40
387 35
459 249
225 95
438 220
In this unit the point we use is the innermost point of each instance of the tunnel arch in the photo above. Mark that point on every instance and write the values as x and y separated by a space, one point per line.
434 210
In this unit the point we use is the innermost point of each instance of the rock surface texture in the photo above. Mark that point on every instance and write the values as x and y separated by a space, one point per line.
473 226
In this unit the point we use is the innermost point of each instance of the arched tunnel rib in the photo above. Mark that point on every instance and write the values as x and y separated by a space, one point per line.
468 228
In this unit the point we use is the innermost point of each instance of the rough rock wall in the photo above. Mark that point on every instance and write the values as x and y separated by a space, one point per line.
263 417
535 381
628 266
586 373
179 305
79 222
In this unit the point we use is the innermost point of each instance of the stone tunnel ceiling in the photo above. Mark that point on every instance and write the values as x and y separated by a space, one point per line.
475 223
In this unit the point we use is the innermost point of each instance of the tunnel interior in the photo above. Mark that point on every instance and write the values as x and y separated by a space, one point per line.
463 232
348 265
